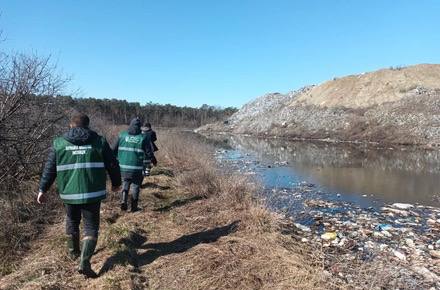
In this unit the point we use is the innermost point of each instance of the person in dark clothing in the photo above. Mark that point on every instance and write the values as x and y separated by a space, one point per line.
146 130
132 147
78 161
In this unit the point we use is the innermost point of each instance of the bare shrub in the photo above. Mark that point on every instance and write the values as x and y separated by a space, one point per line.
26 123
29 117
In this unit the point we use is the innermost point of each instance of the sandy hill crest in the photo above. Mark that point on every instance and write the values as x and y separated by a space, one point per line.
374 88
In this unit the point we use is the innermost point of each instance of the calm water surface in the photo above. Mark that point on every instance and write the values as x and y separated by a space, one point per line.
364 175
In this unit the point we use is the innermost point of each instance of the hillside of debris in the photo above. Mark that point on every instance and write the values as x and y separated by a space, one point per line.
396 106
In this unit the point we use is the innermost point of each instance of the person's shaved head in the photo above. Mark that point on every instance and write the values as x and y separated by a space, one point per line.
79 120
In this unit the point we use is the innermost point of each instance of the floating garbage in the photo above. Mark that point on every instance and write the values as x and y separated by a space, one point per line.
383 227
402 205
401 236
329 236
394 211
302 227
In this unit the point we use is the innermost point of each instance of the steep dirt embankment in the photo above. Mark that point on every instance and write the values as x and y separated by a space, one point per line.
397 105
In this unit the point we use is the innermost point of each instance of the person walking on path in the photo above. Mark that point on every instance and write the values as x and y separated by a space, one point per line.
132 147
146 130
78 161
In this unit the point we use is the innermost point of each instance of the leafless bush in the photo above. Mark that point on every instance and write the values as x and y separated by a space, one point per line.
28 121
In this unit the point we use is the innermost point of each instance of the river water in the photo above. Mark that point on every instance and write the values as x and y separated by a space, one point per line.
354 202
366 175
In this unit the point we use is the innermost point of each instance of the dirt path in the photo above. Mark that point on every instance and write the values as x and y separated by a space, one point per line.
131 245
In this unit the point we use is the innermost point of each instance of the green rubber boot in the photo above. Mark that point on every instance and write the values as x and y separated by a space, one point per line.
88 248
73 246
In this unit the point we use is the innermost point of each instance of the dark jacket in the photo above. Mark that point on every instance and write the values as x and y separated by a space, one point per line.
80 136
152 134
147 145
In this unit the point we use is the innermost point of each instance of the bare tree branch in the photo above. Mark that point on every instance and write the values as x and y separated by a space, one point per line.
27 123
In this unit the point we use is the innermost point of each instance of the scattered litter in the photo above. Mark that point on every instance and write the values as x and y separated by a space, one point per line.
302 227
409 243
383 227
435 254
428 275
402 205
399 255
329 236
401 235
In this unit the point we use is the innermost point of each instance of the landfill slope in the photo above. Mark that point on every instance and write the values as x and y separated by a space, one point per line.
396 105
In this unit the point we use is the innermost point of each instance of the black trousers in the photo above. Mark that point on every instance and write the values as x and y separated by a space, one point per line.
134 181
89 213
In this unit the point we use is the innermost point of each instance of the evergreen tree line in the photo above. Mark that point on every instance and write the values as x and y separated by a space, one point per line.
121 111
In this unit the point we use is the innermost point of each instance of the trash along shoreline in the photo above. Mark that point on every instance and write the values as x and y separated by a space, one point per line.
401 240
403 235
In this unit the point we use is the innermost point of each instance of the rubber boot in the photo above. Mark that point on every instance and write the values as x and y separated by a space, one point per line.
134 205
124 200
88 248
73 246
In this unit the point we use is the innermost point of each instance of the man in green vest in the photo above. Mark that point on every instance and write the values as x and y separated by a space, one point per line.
78 161
132 147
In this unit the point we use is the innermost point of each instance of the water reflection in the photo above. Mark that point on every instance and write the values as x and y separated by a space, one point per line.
357 171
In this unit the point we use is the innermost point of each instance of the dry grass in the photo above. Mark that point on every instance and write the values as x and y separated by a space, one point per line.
199 229
22 222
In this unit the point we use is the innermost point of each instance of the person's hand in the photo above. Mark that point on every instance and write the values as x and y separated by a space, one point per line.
116 188
41 198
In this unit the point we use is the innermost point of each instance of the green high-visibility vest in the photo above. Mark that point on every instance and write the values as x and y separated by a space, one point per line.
131 155
81 176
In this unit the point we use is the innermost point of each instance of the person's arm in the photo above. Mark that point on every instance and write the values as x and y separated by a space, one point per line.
115 147
111 165
153 140
148 147
49 175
